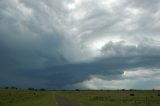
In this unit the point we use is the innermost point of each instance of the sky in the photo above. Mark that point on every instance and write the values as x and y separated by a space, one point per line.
84 44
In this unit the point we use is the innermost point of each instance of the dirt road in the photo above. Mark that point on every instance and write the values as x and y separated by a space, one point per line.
64 102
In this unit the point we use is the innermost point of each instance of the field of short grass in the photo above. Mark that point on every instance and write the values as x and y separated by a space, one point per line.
12 97
113 98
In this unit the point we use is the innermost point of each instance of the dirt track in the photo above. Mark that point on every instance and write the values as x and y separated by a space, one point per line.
64 102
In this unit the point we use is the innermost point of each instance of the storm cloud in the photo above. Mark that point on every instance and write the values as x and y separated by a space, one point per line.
87 44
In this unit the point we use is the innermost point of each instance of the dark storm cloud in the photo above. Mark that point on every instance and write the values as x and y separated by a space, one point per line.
110 67
63 75
24 40
55 43
27 52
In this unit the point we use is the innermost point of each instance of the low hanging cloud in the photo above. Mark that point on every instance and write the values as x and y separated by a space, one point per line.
60 44
136 79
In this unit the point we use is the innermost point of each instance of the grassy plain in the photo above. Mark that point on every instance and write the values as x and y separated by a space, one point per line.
12 97
113 98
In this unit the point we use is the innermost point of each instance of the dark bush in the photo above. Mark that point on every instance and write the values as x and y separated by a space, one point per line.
6 87
132 90
31 89
123 89
131 94
77 90
42 89
13 87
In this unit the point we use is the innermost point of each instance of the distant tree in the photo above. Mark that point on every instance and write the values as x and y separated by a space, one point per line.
31 89
14 87
77 90
6 87
42 89
132 90
123 89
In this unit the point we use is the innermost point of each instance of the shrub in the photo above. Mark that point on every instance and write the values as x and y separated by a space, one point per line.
31 89
77 90
123 89
42 89
13 87
132 94
6 87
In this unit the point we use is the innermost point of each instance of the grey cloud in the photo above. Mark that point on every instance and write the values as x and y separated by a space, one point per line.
44 43
121 49
25 42
61 76
110 67
125 19
98 82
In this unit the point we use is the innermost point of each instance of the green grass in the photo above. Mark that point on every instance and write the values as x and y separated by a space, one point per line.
12 97
26 98
113 98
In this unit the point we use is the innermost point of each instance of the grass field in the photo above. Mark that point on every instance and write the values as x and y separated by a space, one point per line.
113 98
12 97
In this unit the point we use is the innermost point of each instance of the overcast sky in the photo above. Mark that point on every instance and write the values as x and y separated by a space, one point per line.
86 44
